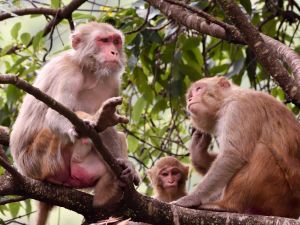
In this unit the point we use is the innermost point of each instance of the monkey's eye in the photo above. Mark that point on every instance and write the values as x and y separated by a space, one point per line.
175 172
104 40
116 41
164 174
198 88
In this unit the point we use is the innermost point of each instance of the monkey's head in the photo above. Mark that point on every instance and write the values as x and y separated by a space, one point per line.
99 48
204 100
168 174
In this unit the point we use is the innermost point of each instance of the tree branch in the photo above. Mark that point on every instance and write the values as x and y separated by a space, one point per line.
29 11
263 52
60 14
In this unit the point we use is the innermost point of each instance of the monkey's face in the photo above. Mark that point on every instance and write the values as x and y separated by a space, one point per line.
195 97
169 178
204 100
100 49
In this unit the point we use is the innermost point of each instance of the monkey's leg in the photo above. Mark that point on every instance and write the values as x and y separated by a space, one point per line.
107 190
43 212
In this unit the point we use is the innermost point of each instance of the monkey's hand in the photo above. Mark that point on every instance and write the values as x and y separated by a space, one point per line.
189 201
200 141
129 174
73 135
108 116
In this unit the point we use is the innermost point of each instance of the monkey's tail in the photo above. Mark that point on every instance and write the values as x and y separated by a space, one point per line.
43 212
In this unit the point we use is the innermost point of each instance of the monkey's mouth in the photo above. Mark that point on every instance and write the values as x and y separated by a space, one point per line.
171 185
190 105
112 64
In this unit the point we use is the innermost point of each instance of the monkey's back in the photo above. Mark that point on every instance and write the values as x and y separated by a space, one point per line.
31 117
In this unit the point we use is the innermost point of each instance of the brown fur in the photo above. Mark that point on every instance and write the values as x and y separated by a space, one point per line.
161 193
258 167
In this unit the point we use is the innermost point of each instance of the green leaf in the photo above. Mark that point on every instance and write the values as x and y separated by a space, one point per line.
132 143
247 5
14 208
80 16
12 94
15 67
36 41
25 38
55 4
138 108
28 207
5 49
15 30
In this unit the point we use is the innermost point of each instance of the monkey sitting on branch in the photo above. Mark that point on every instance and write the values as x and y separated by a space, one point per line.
45 145
258 168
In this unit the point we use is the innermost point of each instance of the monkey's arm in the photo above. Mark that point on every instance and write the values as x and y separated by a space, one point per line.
201 159
66 92
220 173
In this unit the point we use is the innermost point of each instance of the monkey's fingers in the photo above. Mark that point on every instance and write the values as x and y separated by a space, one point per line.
111 104
128 174
121 119
189 201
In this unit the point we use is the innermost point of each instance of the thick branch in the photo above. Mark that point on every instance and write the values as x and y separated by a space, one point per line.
138 207
263 52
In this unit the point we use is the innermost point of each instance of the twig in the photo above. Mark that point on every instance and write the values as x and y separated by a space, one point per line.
29 11
10 169
59 14
143 25
11 200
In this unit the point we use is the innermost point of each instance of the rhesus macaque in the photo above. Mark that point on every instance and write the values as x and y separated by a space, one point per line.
168 177
258 167
45 145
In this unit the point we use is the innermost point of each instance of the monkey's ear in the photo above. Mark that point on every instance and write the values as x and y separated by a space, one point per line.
186 171
223 82
75 41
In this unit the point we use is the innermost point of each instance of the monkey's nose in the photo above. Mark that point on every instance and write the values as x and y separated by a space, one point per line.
114 53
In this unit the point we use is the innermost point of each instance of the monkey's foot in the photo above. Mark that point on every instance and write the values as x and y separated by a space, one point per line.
190 201
108 116
129 174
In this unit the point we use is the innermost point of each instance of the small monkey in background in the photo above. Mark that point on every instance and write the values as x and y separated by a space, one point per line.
168 177
45 145
258 168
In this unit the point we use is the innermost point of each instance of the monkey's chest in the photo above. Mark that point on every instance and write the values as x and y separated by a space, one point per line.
91 100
